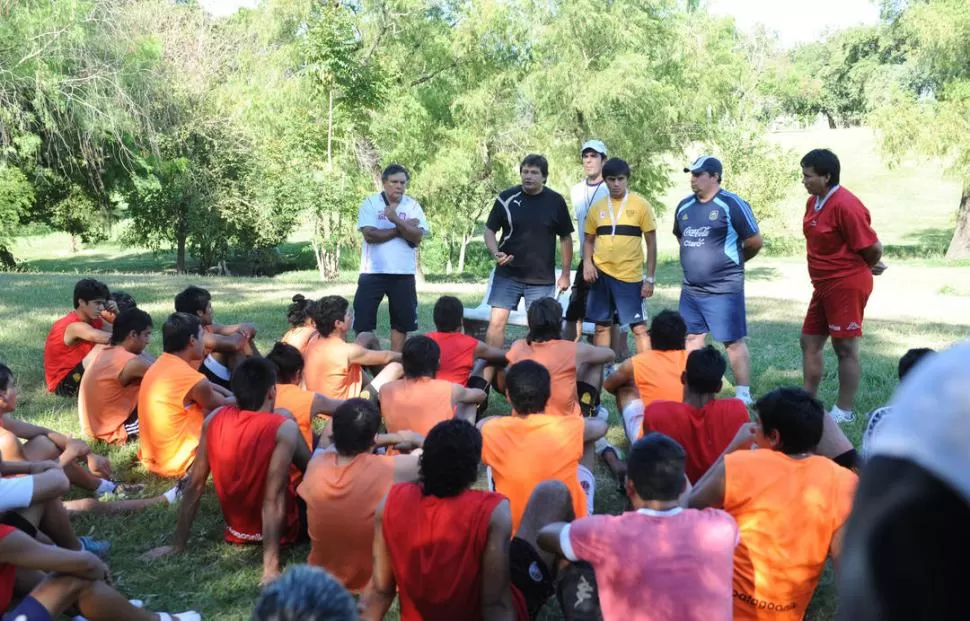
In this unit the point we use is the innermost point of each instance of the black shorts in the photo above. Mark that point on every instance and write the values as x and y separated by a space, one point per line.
131 425
576 310
71 384
402 301
214 374
530 575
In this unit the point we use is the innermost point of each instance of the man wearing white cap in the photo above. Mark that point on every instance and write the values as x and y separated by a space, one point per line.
718 233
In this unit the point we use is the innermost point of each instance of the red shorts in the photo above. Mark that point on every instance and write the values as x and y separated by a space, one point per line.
837 309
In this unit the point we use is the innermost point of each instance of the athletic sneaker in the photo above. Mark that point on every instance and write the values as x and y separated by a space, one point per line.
841 416
601 413
97 547
609 370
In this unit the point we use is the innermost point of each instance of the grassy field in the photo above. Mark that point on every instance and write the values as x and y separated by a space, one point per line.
919 302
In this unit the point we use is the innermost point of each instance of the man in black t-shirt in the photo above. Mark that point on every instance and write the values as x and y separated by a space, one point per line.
531 217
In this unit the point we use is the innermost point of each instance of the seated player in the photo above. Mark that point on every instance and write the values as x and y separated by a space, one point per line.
790 504
250 450
174 399
302 404
343 486
302 330
108 399
305 593
576 368
451 552
878 416
531 446
225 345
122 302
419 400
659 556
703 424
463 357
56 581
73 337
651 375
24 442
334 366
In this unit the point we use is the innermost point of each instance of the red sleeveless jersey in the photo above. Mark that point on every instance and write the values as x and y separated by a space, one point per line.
240 445
60 359
457 355
436 547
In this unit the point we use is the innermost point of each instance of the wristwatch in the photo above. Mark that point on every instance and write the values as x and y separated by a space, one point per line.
650 279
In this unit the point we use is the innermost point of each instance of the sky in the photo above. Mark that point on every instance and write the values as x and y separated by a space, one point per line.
795 21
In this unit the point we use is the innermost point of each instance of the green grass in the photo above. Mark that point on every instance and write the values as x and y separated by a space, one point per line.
219 579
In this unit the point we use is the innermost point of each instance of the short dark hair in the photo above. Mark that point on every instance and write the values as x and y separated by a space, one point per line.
305 593
656 467
538 161
298 311
6 377
178 330
528 385
592 150
615 167
123 300
910 358
705 370
823 162
288 362
88 289
251 382
795 414
451 455
668 332
448 313
420 357
192 300
128 321
394 169
355 423
545 321
327 311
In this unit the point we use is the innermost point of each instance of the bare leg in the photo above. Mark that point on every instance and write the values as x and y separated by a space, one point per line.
833 442
368 340
389 373
618 343
625 394
847 351
101 602
90 505
642 337
812 361
601 338
51 518
497 320
740 359
41 448
573 331
695 341
550 502
467 412
397 340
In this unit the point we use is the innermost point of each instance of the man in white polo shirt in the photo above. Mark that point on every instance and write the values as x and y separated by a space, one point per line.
393 225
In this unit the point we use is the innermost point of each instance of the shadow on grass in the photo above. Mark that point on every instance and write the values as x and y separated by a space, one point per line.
922 244
105 262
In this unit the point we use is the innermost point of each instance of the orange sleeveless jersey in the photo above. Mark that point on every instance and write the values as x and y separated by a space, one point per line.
60 359
300 337
787 511
657 375
240 445
523 451
328 370
559 358
300 404
416 404
169 426
341 502
103 404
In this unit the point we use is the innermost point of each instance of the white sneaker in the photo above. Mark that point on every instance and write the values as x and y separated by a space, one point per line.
841 416
601 413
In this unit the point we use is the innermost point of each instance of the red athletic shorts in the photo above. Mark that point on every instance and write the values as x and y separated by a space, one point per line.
837 308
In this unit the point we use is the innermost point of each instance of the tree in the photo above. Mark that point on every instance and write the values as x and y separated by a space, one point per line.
928 110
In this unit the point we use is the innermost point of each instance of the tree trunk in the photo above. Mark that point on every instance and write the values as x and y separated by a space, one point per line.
73 244
960 243
181 235
831 120
465 239
418 272
330 131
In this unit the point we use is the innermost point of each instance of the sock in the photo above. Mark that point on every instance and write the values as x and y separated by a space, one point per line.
589 398
172 495
743 393
105 487
837 410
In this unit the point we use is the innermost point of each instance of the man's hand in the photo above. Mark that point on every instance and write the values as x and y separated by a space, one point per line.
563 284
95 569
747 437
646 291
390 212
590 273
112 307
99 465
503 259
878 268
160 552
410 440
74 449
37 467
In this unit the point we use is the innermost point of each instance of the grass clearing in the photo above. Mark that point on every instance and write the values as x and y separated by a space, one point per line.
220 580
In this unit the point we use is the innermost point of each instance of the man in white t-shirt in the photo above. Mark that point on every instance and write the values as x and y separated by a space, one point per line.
393 225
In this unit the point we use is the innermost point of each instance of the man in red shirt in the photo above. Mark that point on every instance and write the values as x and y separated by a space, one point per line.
73 337
703 424
843 255
448 550
250 450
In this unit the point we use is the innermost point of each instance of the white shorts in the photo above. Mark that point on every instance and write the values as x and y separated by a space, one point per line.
588 482
633 420
16 493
